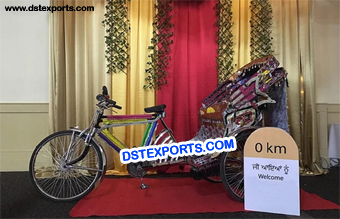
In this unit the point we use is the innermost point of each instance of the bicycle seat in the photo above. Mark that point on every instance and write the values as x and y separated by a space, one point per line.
155 109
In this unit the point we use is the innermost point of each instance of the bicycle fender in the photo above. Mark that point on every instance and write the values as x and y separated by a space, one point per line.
104 161
102 153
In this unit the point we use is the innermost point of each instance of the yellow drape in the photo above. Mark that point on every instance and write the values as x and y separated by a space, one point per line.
241 32
292 43
127 89
77 65
285 43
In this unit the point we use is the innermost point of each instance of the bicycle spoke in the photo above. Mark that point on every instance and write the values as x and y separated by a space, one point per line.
234 176
85 168
52 185
60 188
85 178
53 158
76 190
52 146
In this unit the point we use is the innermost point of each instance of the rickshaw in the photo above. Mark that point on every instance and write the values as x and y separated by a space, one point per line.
67 165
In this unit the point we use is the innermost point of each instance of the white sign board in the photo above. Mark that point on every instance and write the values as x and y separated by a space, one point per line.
271 172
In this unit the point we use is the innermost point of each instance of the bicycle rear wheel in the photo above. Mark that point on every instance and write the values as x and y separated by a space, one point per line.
231 168
58 181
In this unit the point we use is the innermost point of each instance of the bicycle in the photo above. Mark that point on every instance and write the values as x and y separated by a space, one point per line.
67 165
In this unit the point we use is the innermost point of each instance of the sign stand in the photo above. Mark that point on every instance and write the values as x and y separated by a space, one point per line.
271 172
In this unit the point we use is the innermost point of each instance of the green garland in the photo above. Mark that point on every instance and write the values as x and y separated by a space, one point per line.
160 46
116 39
225 42
260 29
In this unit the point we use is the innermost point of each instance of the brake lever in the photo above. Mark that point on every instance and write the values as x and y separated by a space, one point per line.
102 104
111 102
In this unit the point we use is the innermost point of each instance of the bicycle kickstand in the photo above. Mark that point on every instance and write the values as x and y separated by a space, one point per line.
143 186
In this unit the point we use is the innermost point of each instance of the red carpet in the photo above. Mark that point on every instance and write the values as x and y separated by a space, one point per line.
116 197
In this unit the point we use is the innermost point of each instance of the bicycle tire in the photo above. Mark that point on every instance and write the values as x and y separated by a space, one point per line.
232 171
58 182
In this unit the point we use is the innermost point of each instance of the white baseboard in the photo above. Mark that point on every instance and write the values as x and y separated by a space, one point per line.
22 127
327 114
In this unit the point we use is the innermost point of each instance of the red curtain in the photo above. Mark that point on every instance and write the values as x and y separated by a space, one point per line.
192 69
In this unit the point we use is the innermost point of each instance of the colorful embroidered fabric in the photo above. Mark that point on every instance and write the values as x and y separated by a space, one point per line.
239 101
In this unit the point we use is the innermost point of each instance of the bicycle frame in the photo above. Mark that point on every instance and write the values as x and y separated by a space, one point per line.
111 121
126 120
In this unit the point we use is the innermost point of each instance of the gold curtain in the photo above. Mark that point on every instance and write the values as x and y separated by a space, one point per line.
293 45
77 65
127 89
241 32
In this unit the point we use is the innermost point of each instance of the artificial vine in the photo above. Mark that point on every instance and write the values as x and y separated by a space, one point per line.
116 39
260 29
160 46
225 40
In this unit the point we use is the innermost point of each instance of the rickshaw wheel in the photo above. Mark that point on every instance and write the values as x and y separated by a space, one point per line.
232 168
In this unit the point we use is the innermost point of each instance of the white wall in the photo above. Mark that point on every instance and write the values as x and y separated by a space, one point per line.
24 82
24 53
326 50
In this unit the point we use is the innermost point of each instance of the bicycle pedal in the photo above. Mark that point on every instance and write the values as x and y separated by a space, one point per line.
144 186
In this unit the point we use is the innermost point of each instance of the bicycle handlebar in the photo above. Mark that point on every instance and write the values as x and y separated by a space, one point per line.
114 104
104 97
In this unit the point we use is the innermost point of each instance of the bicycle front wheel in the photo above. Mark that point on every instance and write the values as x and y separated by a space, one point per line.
54 178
